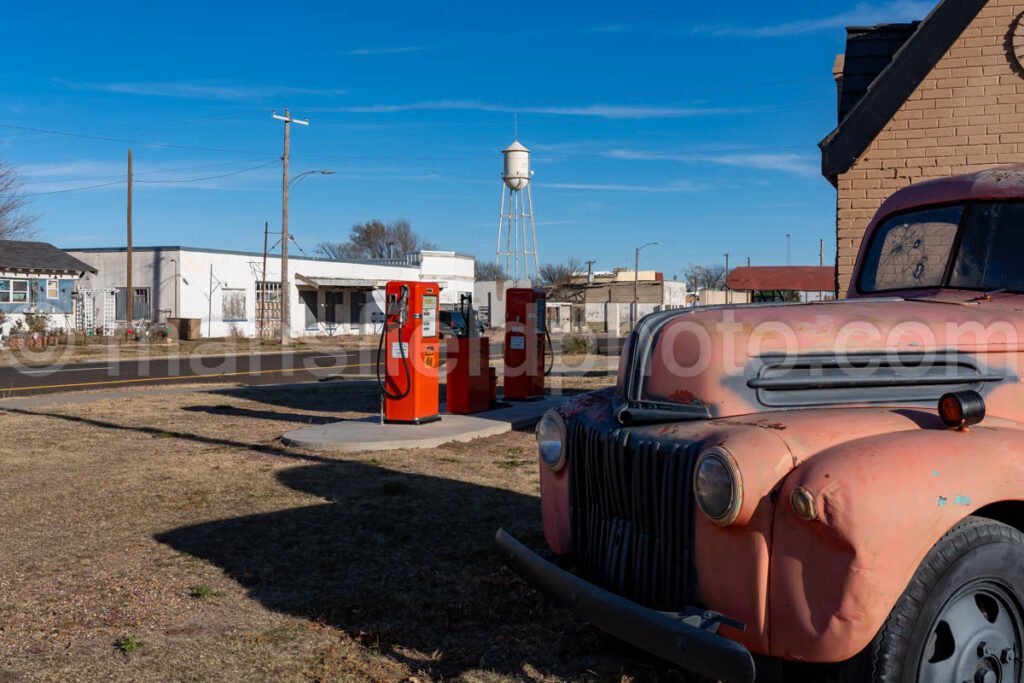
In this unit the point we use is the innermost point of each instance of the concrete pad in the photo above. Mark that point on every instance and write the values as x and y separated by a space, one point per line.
368 434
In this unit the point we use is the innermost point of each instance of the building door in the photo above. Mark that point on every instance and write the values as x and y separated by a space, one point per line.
308 298
355 310
333 301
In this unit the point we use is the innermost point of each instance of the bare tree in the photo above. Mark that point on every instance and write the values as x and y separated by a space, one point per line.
558 276
705 277
487 271
16 222
376 239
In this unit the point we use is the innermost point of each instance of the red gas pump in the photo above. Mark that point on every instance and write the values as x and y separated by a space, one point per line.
468 388
524 343
409 353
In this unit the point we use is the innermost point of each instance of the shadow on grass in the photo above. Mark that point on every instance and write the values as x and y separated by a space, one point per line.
233 411
406 562
402 563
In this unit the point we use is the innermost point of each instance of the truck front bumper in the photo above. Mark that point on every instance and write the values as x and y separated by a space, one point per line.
690 647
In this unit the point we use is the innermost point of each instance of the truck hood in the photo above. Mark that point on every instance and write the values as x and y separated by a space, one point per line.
736 360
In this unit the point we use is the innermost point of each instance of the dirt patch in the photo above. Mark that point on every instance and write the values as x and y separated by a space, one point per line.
173 537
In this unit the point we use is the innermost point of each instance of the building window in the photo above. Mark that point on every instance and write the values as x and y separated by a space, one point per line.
140 304
13 291
269 291
234 305
53 290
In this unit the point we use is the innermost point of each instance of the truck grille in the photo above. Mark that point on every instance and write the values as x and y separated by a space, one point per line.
631 506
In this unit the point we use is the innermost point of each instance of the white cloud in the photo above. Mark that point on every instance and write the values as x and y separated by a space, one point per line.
373 51
678 186
894 11
604 111
797 164
202 90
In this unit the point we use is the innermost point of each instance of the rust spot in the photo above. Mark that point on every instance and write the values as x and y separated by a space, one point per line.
685 397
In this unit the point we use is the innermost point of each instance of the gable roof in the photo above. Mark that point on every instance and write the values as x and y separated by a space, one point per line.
39 256
896 83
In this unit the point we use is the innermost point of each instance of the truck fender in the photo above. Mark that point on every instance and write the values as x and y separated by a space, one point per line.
881 503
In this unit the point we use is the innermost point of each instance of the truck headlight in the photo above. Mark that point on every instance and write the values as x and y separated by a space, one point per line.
717 486
551 440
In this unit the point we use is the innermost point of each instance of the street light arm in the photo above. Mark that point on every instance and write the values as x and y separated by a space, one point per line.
294 181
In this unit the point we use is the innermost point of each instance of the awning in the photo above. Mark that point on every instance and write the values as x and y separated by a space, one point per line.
783 279
339 282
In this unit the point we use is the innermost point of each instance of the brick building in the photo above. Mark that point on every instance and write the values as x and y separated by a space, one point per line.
934 98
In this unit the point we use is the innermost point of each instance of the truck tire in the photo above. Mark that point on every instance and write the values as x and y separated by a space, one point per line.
961 619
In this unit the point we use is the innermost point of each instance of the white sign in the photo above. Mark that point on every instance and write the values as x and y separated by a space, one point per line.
399 350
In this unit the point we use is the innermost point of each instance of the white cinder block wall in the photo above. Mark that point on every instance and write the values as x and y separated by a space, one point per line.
236 273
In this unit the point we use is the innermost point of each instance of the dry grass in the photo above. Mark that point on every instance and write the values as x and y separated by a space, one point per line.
173 538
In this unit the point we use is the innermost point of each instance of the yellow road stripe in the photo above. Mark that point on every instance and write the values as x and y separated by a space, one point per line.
180 377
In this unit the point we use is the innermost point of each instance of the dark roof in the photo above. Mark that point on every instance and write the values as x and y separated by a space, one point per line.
41 256
783 279
884 96
869 49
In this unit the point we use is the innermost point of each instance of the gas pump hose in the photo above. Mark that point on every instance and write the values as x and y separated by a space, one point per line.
382 360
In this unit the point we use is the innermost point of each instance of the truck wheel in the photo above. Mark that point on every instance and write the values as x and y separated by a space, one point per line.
961 619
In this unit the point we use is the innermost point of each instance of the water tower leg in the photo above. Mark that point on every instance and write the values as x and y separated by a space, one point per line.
501 219
533 229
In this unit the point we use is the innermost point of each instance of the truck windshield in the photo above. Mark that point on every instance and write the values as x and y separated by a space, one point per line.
913 250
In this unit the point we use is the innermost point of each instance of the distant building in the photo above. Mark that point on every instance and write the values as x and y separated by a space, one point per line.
602 304
232 293
783 283
38 278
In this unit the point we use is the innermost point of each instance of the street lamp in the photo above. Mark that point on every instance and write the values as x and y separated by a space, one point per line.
636 285
286 320
788 236
295 181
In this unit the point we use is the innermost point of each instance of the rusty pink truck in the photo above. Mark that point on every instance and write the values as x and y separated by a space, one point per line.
829 487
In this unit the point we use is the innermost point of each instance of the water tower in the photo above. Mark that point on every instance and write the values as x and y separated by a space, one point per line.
517 233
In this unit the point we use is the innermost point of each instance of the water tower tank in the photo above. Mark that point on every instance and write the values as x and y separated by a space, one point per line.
517 166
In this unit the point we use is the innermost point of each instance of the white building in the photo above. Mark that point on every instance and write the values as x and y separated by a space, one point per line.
225 289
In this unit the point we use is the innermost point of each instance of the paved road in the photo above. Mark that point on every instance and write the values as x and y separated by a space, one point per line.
269 368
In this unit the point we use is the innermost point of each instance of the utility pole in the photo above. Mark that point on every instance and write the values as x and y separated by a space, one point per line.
129 294
635 312
788 238
286 333
263 282
821 252
727 277
590 270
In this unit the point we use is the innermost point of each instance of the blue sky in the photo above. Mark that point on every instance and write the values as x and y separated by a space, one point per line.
692 124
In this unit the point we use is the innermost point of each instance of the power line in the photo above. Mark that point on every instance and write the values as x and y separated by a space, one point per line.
75 189
154 182
123 141
211 177
164 170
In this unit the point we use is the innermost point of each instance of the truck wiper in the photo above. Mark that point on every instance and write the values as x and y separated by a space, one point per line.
989 295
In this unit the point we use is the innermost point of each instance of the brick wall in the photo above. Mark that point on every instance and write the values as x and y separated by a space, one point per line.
967 115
